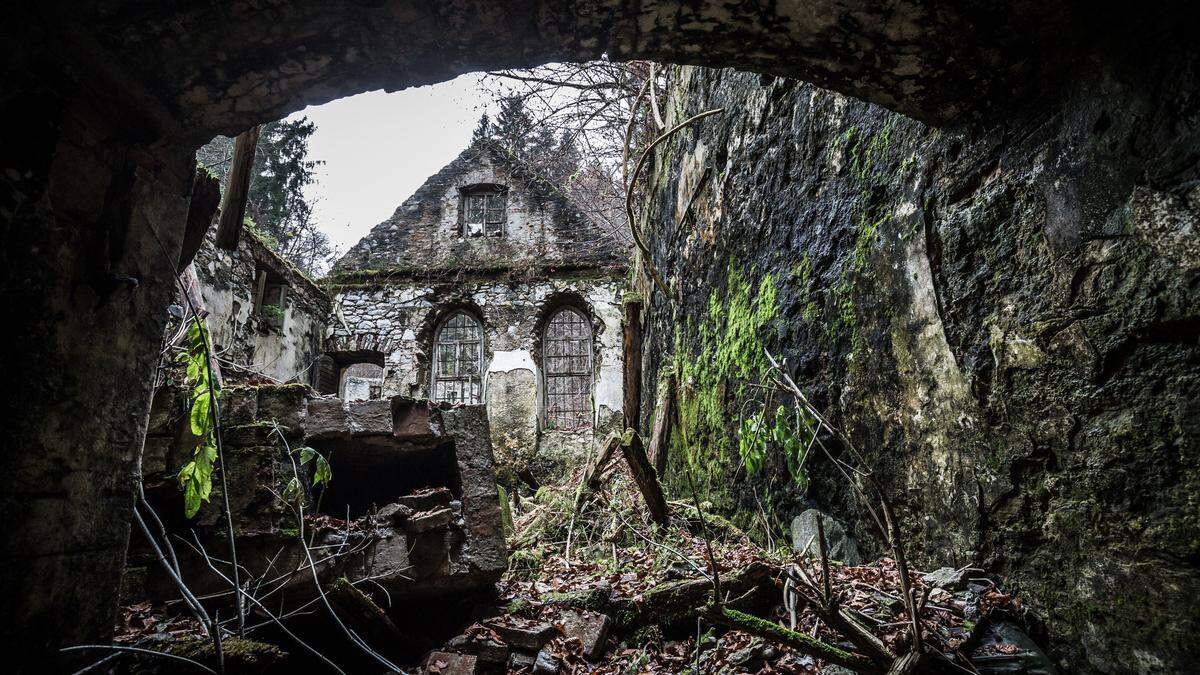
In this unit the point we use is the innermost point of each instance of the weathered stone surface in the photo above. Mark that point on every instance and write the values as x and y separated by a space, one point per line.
239 405
947 578
450 663
1000 315
327 420
426 499
841 546
522 634
591 629
427 521
370 418
546 663
488 651
394 514
284 404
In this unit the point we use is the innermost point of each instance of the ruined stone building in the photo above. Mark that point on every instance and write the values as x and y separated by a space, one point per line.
969 228
487 285
268 319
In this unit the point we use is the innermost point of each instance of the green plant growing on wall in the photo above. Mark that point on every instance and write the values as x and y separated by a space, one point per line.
196 475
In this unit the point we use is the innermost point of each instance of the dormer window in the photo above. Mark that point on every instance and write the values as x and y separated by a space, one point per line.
485 210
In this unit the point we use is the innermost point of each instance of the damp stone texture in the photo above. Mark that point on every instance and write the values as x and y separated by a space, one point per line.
489 286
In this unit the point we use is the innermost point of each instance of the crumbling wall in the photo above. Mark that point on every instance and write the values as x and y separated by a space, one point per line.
249 344
404 316
417 480
1002 315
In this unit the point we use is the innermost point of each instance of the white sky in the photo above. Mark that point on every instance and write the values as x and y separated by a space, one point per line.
378 148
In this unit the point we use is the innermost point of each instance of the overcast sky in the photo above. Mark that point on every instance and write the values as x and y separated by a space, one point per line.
378 148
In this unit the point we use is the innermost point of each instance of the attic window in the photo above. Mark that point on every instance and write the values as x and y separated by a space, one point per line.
485 210
270 297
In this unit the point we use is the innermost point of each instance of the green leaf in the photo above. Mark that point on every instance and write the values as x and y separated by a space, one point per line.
306 455
324 473
191 500
292 491
201 417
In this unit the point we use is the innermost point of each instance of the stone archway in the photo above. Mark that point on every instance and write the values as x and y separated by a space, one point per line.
107 102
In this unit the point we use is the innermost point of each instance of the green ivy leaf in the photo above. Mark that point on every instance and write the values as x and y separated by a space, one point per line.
306 455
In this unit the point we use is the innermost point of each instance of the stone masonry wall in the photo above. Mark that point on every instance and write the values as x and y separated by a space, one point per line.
542 228
402 318
249 347
1003 315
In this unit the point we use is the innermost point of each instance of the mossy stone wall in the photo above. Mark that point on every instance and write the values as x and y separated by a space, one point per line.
1003 314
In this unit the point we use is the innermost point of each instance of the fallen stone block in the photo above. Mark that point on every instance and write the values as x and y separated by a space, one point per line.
450 663
947 578
589 628
426 499
365 617
393 514
839 543
523 634
427 521
487 650
545 663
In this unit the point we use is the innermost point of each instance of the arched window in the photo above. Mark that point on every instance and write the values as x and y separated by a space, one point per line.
567 356
458 360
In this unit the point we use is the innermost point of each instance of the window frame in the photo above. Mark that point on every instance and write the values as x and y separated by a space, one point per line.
267 281
473 382
484 206
571 418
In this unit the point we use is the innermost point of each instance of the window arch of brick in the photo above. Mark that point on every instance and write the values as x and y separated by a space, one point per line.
567 369
458 360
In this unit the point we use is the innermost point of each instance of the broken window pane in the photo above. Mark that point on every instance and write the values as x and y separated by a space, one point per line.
567 355
485 211
458 360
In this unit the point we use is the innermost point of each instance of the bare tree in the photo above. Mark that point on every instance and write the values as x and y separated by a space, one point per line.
582 124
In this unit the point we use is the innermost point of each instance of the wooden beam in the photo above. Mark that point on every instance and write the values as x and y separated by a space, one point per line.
645 478
633 362
664 417
206 197
233 208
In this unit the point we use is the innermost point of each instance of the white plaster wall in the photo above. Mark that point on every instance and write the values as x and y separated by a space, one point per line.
227 286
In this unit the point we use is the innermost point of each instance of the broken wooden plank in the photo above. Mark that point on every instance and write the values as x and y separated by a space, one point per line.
233 208
645 478
206 197
664 417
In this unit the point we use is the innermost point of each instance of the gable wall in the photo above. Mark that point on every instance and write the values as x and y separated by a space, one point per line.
425 234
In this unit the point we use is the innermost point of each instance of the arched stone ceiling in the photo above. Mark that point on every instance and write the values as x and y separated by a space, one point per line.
222 66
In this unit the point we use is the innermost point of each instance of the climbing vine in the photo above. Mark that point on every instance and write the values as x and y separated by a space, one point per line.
196 475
